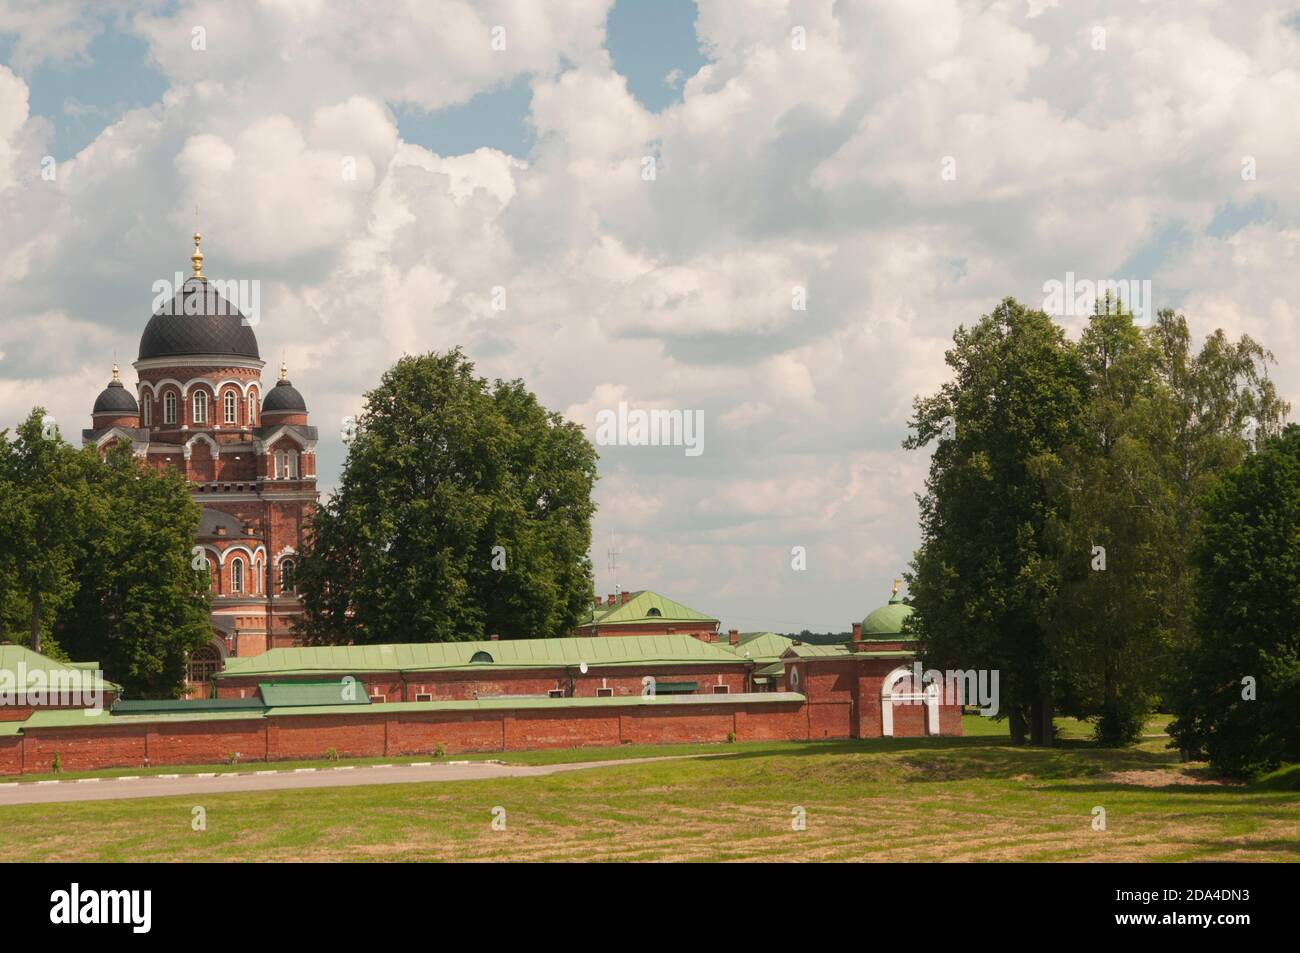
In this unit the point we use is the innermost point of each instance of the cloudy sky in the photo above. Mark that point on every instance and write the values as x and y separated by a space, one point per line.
907 163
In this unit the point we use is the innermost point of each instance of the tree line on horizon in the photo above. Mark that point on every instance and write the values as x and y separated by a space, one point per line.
1095 526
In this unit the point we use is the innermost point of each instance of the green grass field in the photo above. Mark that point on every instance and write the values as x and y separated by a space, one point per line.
955 799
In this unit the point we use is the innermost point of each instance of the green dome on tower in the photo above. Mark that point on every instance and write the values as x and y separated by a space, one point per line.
888 619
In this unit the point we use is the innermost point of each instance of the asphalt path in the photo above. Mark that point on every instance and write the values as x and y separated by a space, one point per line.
271 779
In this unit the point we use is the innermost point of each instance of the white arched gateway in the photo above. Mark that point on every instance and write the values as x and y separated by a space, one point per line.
893 692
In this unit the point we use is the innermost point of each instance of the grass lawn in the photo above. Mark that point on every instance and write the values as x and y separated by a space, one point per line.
971 798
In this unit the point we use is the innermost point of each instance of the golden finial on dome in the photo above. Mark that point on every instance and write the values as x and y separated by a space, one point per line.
894 591
197 257
117 376
284 371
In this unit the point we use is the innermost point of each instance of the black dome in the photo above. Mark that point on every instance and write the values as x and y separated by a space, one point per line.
115 399
284 399
198 321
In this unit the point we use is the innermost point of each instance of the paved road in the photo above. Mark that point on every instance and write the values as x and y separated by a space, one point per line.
166 785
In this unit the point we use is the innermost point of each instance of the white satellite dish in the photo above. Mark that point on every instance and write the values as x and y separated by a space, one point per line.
582 667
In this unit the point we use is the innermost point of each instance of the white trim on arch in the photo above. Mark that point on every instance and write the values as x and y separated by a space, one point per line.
156 386
250 554
138 447
188 447
263 443
928 695
889 697
242 386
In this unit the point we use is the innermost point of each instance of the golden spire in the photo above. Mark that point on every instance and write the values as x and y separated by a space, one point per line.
197 257
284 370
894 591
117 377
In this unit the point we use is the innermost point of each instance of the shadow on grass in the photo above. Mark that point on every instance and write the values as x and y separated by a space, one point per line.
958 759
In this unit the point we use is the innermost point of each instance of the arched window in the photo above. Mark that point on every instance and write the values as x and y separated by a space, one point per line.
169 407
236 575
232 406
146 410
203 664
652 611
481 657
252 409
286 575
286 464
201 407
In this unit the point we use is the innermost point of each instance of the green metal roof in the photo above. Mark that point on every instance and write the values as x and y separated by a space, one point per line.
76 717
761 647
638 608
161 706
675 649
841 651
887 620
499 702
295 694
16 658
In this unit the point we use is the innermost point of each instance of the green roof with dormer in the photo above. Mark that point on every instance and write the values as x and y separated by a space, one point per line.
645 606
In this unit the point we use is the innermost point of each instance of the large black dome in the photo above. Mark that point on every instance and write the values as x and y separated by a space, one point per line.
116 399
284 399
198 321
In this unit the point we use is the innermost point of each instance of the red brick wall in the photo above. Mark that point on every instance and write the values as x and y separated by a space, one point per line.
568 728
306 737
11 754
651 726
83 749
462 685
423 732
207 742
377 732
780 721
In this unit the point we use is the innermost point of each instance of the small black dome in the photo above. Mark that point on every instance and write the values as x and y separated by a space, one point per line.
115 399
198 320
284 399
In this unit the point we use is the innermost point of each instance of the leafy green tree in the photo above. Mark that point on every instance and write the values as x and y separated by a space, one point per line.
1217 404
44 499
983 580
463 508
1107 533
1240 692
140 607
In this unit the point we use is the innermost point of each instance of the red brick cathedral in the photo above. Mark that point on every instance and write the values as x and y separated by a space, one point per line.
201 408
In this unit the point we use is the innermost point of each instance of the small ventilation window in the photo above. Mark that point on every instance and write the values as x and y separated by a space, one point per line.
424 696
481 657
654 612
604 692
